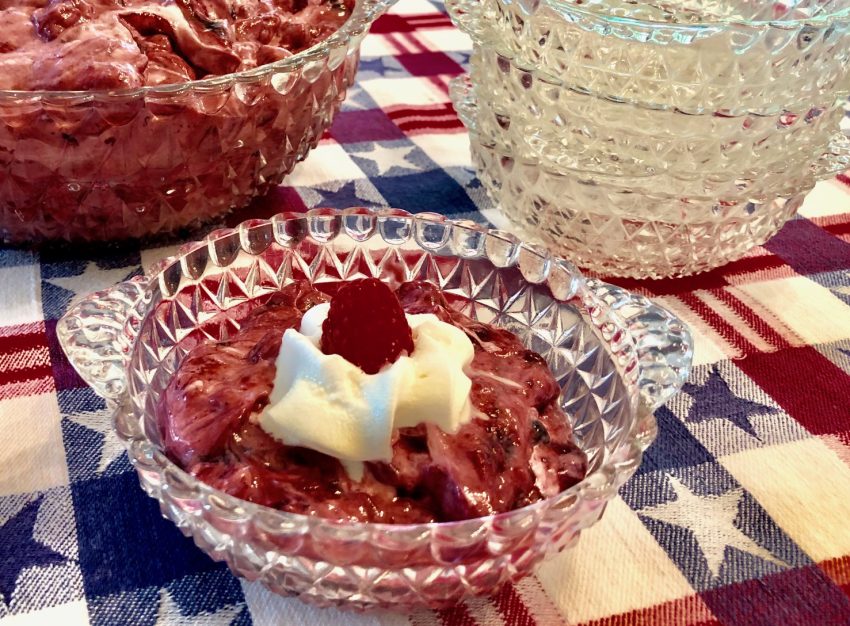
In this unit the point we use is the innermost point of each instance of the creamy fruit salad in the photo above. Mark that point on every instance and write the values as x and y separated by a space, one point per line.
113 44
375 406
144 147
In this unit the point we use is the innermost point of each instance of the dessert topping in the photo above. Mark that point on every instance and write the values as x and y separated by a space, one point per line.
330 404
366 326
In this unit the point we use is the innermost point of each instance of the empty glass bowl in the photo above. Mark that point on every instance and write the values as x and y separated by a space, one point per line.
107 165
569 128
616 355
696 56
653 139
589 217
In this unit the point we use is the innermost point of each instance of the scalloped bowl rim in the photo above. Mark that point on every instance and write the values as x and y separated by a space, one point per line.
365 12
581 489
565 7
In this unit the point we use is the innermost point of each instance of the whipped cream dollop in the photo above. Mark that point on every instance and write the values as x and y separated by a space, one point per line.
324 402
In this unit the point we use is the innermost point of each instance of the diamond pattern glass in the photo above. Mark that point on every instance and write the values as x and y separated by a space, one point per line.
652 140
698 56
599 222
715 156
616 356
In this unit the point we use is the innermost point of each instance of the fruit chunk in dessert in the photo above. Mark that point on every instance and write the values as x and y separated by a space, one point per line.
374 406
113 44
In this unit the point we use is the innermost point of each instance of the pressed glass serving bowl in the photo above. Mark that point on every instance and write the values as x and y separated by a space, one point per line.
616 355
675 165
699 56
568 128
654 225
658 149
105 165
602 223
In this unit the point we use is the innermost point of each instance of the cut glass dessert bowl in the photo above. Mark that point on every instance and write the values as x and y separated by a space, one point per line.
730 57
756 154
640 225
616 356
653 139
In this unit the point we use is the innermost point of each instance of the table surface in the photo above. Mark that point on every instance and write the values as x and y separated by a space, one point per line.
739 514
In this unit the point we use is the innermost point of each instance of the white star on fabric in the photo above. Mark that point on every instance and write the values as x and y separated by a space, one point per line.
92 279
169 614
711 519
101 422
387 158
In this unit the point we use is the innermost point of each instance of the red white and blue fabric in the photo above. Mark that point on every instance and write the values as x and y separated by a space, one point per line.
739 515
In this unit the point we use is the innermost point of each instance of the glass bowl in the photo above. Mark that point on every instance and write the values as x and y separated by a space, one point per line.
603 224
650 139
731 57
648 225
571 129
616 355
105 165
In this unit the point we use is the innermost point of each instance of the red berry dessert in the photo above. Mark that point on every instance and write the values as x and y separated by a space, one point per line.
134 155
511 446
113 44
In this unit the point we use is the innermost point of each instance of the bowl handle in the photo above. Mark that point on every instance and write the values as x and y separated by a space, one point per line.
662 342
98 332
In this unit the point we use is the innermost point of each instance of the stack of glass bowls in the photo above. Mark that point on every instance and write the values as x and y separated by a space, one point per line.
653 139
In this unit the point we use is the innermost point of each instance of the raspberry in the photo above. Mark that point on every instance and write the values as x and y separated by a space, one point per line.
366 325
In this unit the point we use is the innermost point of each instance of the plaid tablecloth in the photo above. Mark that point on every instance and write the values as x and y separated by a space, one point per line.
740 513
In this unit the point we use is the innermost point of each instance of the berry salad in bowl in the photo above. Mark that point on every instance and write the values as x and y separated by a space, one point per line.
377 409
127 118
